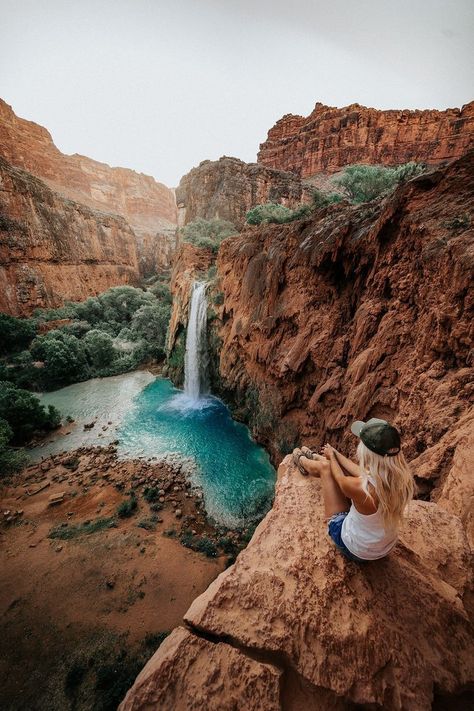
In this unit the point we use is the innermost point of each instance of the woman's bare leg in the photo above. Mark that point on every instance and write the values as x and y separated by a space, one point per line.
334 500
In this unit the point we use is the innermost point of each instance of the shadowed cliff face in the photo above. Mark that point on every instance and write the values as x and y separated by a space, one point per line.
362 311
53 249
228 188
148 206
330 138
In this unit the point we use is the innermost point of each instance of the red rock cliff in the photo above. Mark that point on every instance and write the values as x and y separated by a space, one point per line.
330 138
53 249
148 206
228 188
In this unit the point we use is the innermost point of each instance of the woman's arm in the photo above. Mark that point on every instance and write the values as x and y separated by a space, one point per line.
348 485
348 465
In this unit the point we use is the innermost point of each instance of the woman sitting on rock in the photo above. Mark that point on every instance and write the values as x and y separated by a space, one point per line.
364 502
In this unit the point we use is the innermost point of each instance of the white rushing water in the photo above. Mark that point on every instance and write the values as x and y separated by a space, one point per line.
196 359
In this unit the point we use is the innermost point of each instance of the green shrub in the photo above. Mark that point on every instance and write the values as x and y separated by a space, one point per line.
127 508
151 494
268 212
320 199
206 546
149 524
407 171
272 212
366 182
24 413
66 533
201 545
208 233
170 533
227 545
218 299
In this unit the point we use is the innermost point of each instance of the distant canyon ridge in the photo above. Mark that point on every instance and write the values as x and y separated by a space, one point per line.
71 226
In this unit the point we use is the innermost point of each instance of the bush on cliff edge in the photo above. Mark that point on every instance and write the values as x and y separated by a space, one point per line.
208 233
366 182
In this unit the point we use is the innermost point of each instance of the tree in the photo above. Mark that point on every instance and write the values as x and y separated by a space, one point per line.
64 358
99 348
208 233
15 333
24 413
150 322
11 460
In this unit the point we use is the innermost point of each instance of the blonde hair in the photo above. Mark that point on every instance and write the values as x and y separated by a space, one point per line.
392 481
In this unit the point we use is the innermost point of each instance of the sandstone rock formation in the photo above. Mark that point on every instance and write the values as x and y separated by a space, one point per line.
190 263
148 206
392 635
361 311
330 138
227 188
53 249
190 673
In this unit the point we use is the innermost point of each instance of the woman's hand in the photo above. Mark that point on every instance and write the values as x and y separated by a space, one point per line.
328 451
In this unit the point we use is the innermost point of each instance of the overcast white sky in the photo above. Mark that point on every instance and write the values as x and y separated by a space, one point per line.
159 86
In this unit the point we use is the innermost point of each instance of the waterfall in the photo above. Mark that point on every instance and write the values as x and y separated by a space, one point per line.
195 359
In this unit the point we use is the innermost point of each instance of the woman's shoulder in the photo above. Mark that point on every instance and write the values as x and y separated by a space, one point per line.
365 499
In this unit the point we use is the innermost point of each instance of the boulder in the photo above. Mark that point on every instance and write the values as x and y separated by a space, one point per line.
391 634
188 673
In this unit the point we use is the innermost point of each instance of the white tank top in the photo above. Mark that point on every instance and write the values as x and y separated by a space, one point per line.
365 534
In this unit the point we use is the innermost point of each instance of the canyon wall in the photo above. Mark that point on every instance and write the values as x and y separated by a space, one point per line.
228 188
331 138
147 205
53 249
361 311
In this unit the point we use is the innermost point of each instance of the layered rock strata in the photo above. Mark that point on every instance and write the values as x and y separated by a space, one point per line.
332 634
190 264
53 249
147 205
228 188
331 138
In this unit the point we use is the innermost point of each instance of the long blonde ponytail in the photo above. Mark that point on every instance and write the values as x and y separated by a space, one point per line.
392 480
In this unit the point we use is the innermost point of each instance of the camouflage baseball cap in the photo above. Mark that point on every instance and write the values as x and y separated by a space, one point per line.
378 435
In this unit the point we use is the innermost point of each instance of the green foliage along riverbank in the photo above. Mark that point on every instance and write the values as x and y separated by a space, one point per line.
21 417
108 334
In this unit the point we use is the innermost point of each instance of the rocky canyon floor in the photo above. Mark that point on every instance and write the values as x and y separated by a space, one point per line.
87 595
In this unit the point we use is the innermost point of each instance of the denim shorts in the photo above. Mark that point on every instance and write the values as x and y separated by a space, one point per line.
334 531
